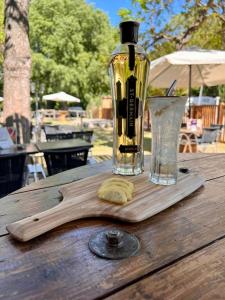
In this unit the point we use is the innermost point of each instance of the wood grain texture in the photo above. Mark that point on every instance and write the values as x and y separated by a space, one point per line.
80 200
199 276
15 206
68 176
58 265
90 170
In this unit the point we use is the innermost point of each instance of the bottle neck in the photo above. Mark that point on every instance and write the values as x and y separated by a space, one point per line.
123 48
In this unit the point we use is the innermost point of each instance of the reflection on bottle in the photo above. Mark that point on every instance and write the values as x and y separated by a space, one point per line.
119 110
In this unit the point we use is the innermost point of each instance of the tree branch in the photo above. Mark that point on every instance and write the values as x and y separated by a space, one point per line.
184 39
215 7
164 36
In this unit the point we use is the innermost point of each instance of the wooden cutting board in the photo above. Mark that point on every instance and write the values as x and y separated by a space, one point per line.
80 201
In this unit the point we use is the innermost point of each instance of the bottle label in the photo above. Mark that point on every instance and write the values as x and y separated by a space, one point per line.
122 108
129 148
131 106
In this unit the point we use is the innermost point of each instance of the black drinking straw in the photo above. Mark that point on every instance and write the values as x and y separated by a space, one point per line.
171 89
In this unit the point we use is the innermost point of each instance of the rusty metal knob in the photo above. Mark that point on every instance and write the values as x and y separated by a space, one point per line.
114 244
114 237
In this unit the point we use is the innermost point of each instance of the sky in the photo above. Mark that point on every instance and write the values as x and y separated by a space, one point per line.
111 7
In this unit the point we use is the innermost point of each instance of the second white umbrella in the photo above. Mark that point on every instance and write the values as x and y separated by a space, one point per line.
61 97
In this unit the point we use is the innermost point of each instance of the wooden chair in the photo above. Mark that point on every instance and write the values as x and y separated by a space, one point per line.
61 160
11 173
184 143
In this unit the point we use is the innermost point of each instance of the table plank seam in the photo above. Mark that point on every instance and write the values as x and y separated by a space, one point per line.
50 186
45 187
60 185
210 179
178 242
161 268
203 157
102 163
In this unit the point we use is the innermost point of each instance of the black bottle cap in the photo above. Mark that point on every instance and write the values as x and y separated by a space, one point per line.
129 32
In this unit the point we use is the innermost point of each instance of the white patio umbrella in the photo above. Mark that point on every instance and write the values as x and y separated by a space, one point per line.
61 97
207 68
190 67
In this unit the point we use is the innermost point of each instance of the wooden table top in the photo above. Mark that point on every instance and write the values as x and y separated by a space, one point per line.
63 144
27 149
181 255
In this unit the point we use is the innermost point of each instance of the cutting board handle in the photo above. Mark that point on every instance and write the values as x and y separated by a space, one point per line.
80 200
28 228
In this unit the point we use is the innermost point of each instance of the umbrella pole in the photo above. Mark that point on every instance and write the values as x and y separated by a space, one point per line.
189 93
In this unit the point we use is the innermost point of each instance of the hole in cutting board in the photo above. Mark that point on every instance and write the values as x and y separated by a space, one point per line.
36 219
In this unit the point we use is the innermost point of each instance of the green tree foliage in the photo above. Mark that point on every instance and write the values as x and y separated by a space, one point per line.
221 90
177 22
207 36
170 25
71 43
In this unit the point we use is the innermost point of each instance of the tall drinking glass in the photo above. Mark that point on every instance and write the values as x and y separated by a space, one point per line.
166 116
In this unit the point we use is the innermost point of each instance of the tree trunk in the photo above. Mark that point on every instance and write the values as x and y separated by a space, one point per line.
17 68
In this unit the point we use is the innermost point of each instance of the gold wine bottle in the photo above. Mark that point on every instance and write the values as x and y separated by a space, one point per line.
129 67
